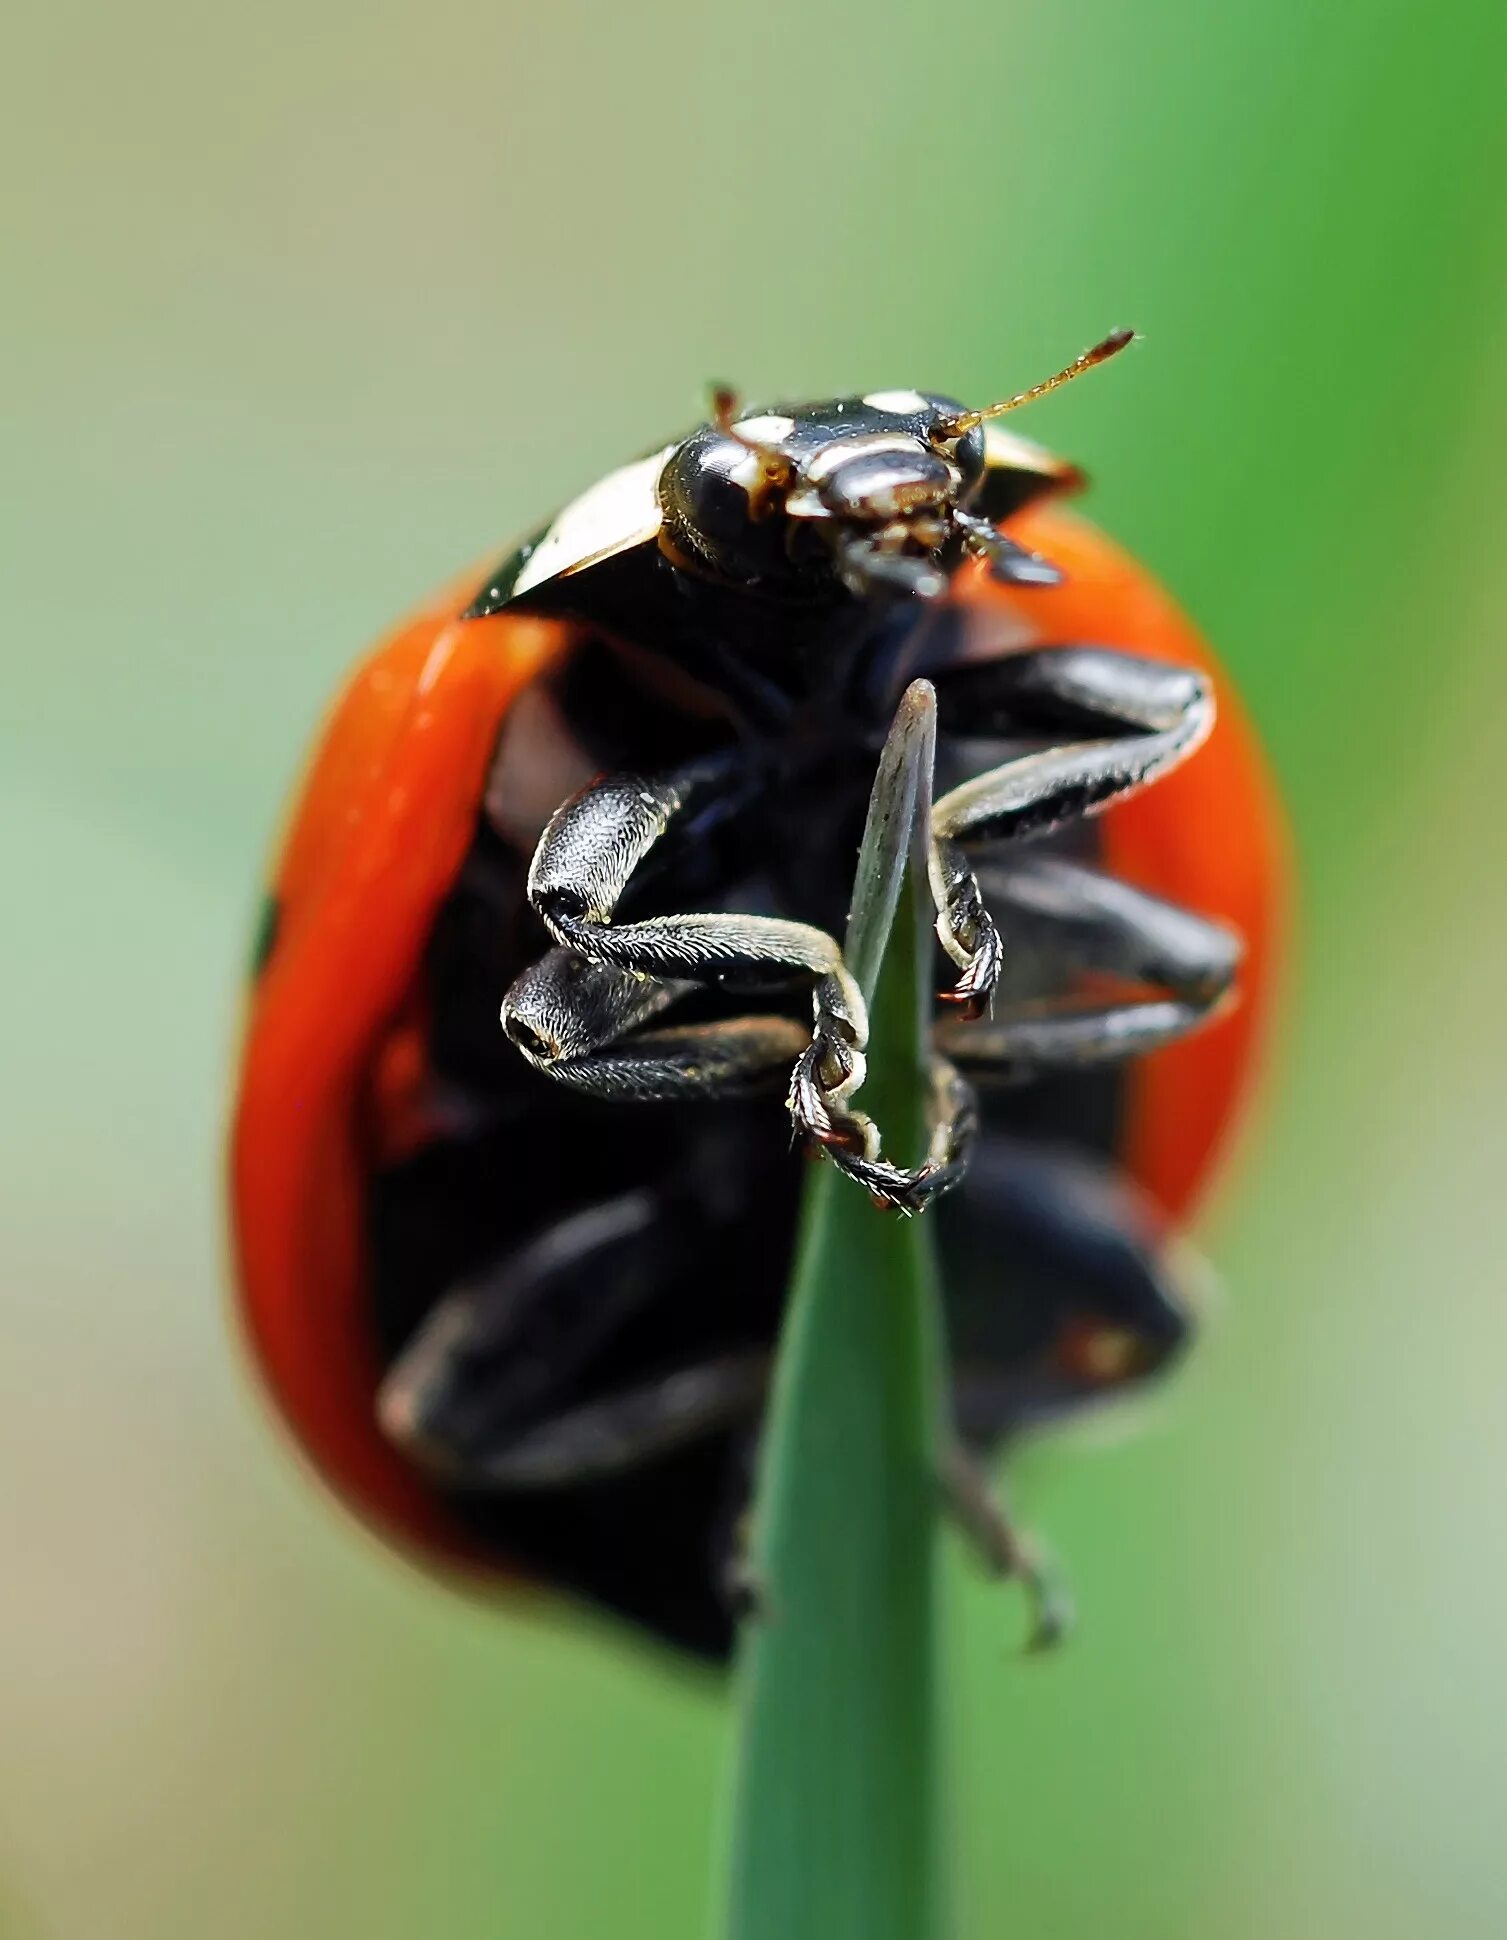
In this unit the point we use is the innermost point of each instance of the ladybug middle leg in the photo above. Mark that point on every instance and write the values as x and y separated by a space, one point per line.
1081 920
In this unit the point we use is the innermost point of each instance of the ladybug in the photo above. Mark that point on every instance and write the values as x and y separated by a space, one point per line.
553 930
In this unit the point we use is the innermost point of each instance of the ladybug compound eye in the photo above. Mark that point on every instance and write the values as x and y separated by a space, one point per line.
722 494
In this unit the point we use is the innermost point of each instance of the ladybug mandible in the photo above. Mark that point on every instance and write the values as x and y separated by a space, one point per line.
516 1289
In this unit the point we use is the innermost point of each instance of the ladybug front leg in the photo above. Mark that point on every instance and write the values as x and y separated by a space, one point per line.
1143 718
577 1015
580 1023
587 856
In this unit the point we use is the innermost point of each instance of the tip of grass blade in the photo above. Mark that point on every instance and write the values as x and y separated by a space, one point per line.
899 813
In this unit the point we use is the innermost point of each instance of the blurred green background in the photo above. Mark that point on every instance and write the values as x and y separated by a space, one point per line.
305 308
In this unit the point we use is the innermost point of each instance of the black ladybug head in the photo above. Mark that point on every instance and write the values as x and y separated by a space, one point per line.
881 494
875 492
866 488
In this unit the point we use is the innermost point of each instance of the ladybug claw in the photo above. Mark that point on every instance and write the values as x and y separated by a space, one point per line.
911 1189
969 1005
1053 1613
746 1593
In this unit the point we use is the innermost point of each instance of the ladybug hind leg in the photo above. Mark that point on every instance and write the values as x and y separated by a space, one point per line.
982 1517
501 1390
626 1430
1062 1294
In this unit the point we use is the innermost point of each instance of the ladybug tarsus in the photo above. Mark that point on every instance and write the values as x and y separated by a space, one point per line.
979 1513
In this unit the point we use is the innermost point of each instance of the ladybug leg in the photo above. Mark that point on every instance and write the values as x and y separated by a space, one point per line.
584 861
981 1516
576 1015
494 1389
894 837
1082 920
579 1023
851 1140
1087 920
1010 563
1142 718
745 1593
972 1503
618 1432
502 1347
1062 1292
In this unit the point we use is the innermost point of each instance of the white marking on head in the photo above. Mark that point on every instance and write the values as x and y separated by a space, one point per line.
901 404
766 429
830 457
745 470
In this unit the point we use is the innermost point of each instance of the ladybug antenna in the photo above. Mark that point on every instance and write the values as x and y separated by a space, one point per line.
776 469
964 421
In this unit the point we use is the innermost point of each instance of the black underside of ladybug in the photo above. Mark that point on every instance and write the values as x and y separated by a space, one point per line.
700 1202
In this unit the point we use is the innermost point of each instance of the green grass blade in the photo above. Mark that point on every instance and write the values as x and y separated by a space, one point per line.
834 1833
